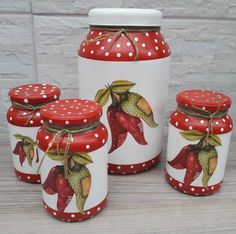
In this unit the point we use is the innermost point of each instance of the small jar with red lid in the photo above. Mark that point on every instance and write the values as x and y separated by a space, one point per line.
124 64
72 143
24 120
198 142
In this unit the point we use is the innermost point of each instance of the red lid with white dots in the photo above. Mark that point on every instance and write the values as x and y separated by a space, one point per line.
71 112
204 99
34 93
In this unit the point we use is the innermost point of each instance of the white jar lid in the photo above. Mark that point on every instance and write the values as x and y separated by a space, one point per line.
125 17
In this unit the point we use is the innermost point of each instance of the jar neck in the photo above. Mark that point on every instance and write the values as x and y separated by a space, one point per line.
71 129
200 113
126 28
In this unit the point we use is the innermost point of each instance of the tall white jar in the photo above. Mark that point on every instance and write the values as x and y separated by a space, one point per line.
124 64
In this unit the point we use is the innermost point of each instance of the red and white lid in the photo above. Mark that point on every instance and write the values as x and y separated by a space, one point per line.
125 17
204 99
71 112
34 93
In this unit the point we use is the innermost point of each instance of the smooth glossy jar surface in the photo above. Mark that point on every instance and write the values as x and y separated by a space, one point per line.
74 179
124 65
24 120
198 142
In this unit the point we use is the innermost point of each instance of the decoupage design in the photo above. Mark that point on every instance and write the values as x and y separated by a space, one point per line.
71 178
26 147
197 158
125 112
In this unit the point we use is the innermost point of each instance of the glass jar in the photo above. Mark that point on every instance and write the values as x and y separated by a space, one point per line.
72 142
124 65
24 121
198 142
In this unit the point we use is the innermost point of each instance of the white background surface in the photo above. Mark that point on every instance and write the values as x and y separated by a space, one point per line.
39 40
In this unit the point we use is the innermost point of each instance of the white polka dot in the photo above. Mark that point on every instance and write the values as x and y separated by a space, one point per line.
102 48
204 108
180 185
207 129
185 191
50 121
10 118
44 96
131 166
155 40
227 117
176 123
176 113
147 34
67 122
136 39
190 127
92 52
224 120
162 42
143 45
112 172
107 54
202 121
222 129
85 120
128 44
92 32
26 100
99 208
38 114
171 178
38 181
118 45
83 50
157 33
28 177
143 165
186 120
88 212
230 125
96 135
196 194
149 53
217 122
192 189
31 121
163 51
45 207
212 187
153 161
103 141
203 190
73 215
118 55
46 137
87 146
98 42
130 54
156 47
54 213
118 167
109 40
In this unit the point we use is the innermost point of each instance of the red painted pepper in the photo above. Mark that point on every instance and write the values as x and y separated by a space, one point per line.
179 162
133 125
65 193
193 168
118 133
19 150
49 184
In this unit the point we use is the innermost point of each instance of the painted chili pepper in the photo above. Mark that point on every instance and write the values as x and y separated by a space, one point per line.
133 125
65 192
118 133
49 184
193 168
80 181
179 162
208 158
19 150
29 152
138 106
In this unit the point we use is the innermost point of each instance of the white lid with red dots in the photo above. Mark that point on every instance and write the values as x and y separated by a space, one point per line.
125 17
34 93
71 112
208 100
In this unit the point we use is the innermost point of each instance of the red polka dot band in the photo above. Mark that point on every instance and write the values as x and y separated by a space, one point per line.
29 178
133 168
76 216
192 190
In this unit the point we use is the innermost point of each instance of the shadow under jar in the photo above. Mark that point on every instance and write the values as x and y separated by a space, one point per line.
124 65
72 142
198 142
24 120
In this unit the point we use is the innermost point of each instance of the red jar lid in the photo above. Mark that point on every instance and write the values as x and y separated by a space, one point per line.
204 99
34 93
148 46
71 112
